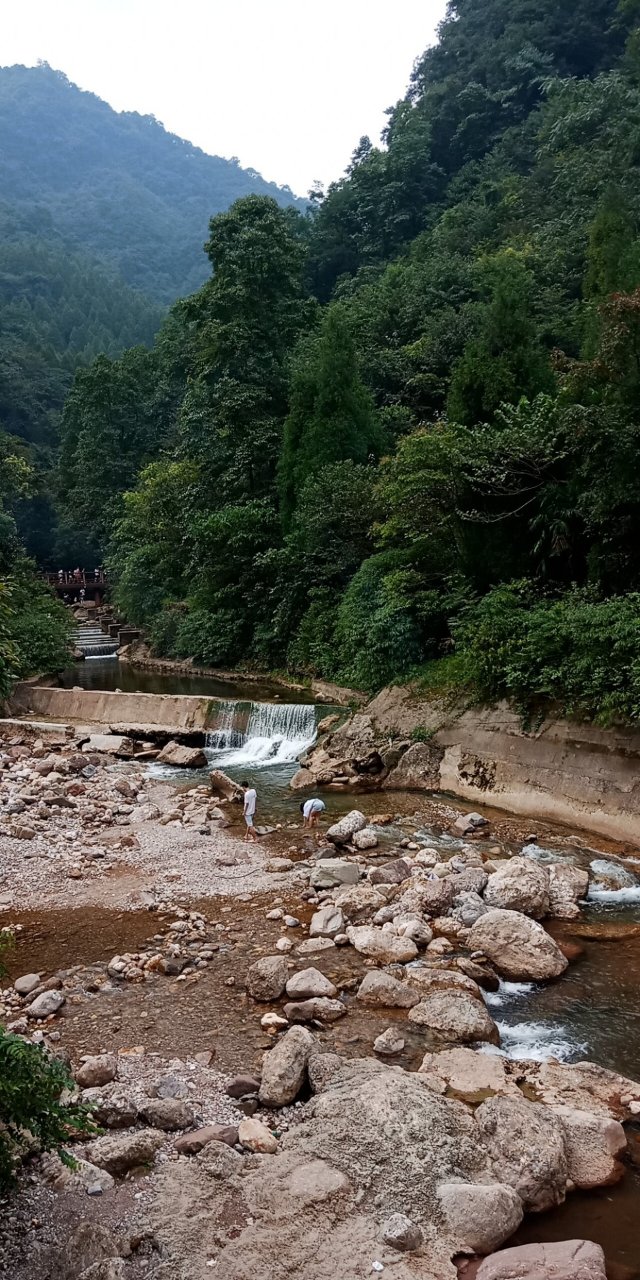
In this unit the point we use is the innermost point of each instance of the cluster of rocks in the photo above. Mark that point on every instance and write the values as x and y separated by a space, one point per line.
181 948
354 752
384 1163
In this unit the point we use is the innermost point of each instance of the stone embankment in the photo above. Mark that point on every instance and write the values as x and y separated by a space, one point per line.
560 771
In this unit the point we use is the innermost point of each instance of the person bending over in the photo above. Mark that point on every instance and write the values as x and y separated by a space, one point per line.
311 810
249 809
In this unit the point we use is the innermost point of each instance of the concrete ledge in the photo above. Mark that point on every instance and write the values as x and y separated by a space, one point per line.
177 713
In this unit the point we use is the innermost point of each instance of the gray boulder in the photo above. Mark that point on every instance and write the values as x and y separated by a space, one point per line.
330 872
167 1113
382 945
326 922
308 984
182 757
519 948
381 989
567 1260
320 1009
520 884
117 1153
46 1004
456 1016
266 979
526 1147
480 1216
284 1068
97 1071
342 832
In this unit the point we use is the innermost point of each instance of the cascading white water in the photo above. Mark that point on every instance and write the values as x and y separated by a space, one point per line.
261 733
226 734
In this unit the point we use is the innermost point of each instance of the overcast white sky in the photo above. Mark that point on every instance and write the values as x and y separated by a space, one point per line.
288 86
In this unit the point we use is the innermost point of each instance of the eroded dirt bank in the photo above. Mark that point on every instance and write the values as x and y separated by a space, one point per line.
344 982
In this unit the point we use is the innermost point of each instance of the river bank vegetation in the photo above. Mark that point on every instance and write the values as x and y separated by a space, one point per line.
402 433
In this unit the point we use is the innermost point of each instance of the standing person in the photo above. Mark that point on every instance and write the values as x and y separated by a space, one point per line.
249 809
311 810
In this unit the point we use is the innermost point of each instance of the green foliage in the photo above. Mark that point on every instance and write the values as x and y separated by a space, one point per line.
377 637
331 416
578 653
465 302
31 1083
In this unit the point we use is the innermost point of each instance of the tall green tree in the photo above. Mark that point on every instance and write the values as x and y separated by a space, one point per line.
332 417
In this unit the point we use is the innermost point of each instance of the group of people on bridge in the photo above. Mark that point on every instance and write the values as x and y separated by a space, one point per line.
80 577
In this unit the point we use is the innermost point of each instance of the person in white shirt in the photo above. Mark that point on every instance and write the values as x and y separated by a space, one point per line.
311 810
249 809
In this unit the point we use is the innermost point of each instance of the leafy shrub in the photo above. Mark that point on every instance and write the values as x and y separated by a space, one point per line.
377 635
576 652
210 637
31 1085
35 627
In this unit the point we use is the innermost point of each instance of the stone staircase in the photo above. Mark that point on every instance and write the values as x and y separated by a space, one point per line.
91 640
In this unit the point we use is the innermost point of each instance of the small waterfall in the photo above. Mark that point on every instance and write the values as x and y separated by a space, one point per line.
226 734
93 642
261 733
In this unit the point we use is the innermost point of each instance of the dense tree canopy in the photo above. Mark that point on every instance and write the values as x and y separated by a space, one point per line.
401 434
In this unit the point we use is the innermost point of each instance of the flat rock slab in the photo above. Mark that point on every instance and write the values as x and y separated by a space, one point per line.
568 1260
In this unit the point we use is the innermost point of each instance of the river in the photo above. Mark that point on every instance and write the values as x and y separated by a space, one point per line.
592 1012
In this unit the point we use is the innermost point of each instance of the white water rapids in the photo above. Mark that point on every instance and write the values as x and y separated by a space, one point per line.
260 733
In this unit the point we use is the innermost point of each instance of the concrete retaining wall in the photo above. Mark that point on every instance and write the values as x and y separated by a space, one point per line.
571 773
176 712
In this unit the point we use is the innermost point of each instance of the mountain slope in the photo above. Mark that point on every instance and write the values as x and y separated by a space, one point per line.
117 185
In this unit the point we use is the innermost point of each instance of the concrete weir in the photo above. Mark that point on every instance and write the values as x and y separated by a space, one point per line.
179 714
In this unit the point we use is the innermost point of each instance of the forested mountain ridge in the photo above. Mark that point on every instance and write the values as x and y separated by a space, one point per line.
115 185
401 435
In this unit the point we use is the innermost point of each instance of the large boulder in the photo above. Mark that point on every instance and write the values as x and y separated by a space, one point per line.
429 897
365 839
481 1217
182 757
394 872
166 1113
519 885
266 978
358 901
284 1068
567 1260
46 1004
117 1153
567 885
222 785
380 944
329 872
308 984
519 948
381 989
527 1150
467 908
97 1071
457 1016
343 831
326 922
594 1146
418 769
468 1075
429 981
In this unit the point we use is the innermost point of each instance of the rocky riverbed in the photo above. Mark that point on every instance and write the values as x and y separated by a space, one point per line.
292 1050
